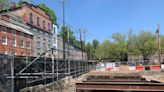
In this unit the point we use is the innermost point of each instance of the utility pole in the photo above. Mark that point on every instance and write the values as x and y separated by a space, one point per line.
84 55
159 47
63 28
81 41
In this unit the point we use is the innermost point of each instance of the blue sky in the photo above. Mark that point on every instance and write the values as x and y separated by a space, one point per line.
101 18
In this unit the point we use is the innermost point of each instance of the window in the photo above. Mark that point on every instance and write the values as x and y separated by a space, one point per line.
29 45
13 42
22 34
44 45
4 29
44 24
29 36
4 40
49 26
38 44
31 29
54 31
22 43
4 52
49 38
14 53
44 35
31 18
38 21
38 54
38 34
13 32
49 45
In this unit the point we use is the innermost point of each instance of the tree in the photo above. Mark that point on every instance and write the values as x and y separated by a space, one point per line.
89 49
20 2
107 51
131 44
50 12
162 43
95 43
146 44
121 44
119 37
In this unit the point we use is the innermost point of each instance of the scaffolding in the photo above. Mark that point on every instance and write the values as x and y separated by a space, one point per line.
42 70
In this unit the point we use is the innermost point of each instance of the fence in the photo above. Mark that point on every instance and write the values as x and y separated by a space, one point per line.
129 66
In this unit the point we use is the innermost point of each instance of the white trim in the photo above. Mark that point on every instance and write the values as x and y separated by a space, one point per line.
15 42
23 43
5 40
4 52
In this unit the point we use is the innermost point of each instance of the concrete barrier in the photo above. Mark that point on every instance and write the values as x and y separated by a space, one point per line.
132 68
140 68
162 66
155 67
109 69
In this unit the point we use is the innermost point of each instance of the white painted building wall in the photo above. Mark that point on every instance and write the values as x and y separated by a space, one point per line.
55 37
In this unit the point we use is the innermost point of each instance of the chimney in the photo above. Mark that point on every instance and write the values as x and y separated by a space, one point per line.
12 5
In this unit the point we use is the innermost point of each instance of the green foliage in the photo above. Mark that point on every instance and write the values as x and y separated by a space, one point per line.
89 49
146 43
162 43
131 44
95 43
50 12
67 33
121 46
19 3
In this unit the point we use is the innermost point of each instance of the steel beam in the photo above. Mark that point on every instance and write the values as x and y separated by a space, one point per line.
120 86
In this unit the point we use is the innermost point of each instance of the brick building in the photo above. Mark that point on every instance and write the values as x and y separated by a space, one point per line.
14 36
40 25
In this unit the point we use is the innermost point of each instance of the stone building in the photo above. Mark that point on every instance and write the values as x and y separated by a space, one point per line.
71 51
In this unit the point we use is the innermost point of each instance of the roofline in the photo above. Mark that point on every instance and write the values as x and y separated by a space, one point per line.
5 23
16 8
36 7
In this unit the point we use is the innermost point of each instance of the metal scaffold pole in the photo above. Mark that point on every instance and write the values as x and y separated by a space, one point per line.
12 73
53 66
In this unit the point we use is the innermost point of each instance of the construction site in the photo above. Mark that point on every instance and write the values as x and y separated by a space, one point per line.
34 57
53 75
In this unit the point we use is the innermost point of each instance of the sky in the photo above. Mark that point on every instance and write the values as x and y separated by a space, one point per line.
101 18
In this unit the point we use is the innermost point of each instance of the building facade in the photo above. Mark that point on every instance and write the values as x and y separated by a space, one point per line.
71 51
15 36
40 25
